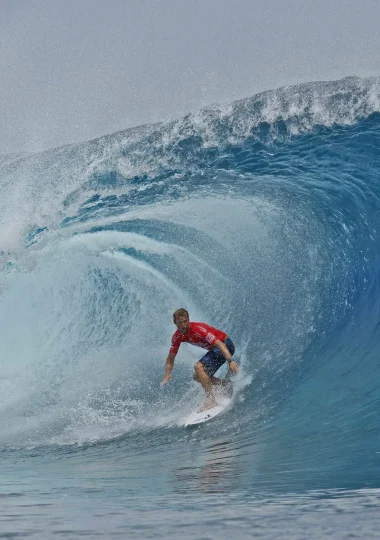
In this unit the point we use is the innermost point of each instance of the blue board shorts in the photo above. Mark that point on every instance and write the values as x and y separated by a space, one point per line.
214 359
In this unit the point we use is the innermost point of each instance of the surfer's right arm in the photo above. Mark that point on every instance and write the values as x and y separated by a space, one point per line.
168 368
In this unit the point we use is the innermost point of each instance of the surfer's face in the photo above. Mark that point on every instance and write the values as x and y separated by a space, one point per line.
182 323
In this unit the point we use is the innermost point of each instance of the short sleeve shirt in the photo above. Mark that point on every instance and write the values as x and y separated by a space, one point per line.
199 334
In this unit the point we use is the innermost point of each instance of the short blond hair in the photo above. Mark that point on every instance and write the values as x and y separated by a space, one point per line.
181 312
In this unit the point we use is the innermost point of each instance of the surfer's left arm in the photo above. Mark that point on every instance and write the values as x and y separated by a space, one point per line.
227 355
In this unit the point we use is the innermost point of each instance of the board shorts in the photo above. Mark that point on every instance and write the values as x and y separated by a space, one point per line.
214 359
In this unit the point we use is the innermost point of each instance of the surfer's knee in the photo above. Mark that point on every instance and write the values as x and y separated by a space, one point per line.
195 377
199 369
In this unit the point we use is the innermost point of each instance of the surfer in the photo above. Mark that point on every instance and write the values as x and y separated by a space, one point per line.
220 350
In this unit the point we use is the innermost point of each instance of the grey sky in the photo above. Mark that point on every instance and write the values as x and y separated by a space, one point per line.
72 70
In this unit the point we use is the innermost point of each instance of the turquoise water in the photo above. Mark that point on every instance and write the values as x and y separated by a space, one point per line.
261 217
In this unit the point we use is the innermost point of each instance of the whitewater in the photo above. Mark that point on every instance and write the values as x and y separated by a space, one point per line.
262 218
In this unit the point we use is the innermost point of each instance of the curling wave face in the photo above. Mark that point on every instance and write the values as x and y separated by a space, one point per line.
261 217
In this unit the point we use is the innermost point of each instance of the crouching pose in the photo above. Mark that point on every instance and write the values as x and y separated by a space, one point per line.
220 350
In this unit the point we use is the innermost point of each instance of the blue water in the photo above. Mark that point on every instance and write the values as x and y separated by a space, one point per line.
262 218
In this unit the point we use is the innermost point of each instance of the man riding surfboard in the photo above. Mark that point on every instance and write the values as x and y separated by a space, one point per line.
220 350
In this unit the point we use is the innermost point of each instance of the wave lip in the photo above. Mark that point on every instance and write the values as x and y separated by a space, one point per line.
301 107
269 115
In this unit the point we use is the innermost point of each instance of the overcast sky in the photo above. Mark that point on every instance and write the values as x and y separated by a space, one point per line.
71 70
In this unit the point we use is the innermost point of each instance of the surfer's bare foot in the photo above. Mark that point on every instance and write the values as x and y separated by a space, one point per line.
208 405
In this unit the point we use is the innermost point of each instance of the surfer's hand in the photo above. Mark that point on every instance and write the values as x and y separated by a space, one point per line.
166 379
234 367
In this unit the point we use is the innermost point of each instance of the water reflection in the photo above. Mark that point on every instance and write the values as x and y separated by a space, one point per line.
216 468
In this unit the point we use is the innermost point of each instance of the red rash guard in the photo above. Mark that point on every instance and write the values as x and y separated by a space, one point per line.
199 334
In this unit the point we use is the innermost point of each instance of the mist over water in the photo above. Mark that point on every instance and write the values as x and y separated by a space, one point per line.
261 218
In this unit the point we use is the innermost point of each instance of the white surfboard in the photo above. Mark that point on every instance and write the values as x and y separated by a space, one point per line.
200 417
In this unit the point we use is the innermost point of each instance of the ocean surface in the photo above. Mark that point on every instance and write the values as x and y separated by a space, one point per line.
262 218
